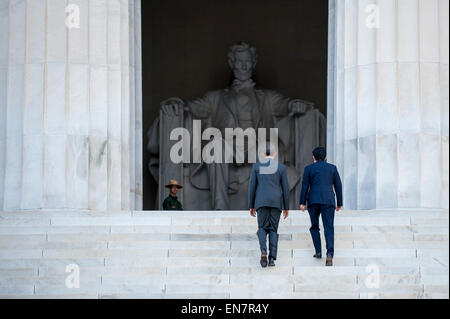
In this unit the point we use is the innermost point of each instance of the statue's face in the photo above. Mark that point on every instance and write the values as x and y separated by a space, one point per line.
242 65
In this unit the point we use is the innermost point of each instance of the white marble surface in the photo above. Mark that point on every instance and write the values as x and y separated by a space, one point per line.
129 254
386 171
68 128
56 35
393 94
71 130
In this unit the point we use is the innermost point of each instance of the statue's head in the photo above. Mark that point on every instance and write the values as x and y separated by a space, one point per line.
242 60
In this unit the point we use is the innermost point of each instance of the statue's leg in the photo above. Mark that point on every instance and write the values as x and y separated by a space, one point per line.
218 174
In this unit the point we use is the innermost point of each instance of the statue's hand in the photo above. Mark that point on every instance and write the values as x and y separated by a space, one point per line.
298 107
173 106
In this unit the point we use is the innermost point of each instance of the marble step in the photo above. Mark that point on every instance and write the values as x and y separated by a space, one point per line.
341 220
241 295
54 296
168 270
215 254
427 213
216 229
190 252
193 236
131 241
48 269
147 261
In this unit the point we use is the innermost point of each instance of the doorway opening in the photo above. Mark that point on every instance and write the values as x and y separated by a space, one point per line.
185 45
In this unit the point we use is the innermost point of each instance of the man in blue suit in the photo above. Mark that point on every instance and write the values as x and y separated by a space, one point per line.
268 194
319 179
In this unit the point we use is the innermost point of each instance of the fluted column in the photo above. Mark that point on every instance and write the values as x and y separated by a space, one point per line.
69 101
388 105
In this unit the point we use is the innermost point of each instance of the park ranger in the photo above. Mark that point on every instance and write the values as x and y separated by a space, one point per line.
171 202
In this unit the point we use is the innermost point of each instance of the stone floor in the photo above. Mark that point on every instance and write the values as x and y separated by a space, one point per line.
379 254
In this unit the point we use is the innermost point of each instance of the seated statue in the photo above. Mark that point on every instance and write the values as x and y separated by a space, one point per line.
223 186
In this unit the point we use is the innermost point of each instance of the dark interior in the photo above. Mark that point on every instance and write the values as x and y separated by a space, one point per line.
186 42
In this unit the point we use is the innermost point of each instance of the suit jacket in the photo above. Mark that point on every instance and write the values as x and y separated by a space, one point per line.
318 182
268 190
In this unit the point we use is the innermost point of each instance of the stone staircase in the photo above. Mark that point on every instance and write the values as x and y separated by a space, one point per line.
379 254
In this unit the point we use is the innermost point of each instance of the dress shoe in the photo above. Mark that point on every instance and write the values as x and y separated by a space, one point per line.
329 261
318 256
263 261
271 262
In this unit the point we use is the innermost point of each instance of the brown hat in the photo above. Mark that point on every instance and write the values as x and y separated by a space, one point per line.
175 183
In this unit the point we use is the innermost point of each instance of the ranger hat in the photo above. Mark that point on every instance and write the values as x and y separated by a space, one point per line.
172 183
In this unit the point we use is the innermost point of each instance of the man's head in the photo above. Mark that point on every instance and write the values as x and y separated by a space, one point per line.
242 60
173 187
320 154
270 150
173 190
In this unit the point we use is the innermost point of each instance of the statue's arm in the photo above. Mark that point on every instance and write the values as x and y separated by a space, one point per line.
283 106
280 104
201 108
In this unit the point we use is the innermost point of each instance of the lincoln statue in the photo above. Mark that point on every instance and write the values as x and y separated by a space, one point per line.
223 186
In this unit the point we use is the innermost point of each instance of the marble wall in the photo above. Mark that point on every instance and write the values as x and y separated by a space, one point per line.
388 102
71 103
70 97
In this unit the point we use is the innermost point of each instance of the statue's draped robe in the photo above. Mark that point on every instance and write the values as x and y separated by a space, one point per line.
240 106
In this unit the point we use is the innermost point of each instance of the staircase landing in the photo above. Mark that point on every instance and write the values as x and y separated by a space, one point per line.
379 254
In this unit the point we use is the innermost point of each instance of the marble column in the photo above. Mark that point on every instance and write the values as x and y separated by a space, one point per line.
70 105
388 102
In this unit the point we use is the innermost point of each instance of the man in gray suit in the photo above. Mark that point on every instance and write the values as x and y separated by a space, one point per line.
268 193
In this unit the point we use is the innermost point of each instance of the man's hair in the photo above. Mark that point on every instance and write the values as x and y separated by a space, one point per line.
241 47
270 149
320 153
